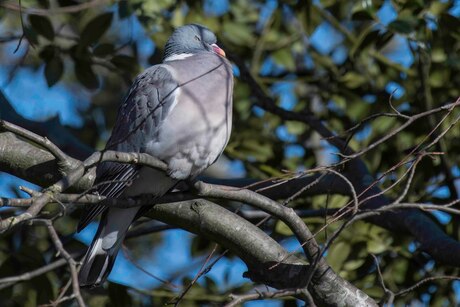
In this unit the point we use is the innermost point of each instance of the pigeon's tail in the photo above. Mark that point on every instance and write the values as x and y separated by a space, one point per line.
100 257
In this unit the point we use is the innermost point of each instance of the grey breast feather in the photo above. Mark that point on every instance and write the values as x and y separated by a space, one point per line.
197 129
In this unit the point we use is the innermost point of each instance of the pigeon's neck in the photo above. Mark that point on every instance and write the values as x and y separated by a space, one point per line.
175 57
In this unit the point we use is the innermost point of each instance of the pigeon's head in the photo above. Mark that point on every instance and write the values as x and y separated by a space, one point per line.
191 39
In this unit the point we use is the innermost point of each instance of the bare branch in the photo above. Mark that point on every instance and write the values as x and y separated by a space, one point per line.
423 281
64 160
201 272
6 282
257 250
138 266
389 295
448 107
68 258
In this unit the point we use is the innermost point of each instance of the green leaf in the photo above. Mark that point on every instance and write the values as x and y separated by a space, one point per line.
325 61
80 53
296 128
42 25
376 246
398 270
363 11
125 62
383 39
438 7
332 201
211 285
200 245
124 10
283 229
47 53
178 17
378 241
353 80
403 25
270 170
95 28
439 78
364 40
239 34
337 254
327 3
438 55
450 23
259 151
44 3
353 265
119 296
340 101
357 109
31 35
383 124
7 268
375 291
54 70
86 75
284 58
102 50
42 285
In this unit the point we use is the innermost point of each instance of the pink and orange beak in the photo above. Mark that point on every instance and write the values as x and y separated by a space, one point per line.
218 50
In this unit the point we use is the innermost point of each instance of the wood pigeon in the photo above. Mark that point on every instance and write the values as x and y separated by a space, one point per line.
180 112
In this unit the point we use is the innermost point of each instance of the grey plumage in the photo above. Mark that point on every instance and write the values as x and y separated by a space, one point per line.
180 112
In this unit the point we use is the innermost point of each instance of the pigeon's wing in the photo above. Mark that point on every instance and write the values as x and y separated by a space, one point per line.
150 99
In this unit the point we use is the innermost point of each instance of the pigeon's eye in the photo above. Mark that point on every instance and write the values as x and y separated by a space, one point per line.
197 38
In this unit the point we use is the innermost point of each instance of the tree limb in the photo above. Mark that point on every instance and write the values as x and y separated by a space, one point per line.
258 251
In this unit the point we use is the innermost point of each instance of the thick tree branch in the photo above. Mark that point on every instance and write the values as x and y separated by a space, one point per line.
258 251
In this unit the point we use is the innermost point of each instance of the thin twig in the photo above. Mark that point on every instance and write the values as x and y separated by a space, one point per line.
449 107
69 259
61 295
200 273
137 265
9 281
389 295
423 281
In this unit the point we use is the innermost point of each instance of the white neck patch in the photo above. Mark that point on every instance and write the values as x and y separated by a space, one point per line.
176 57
